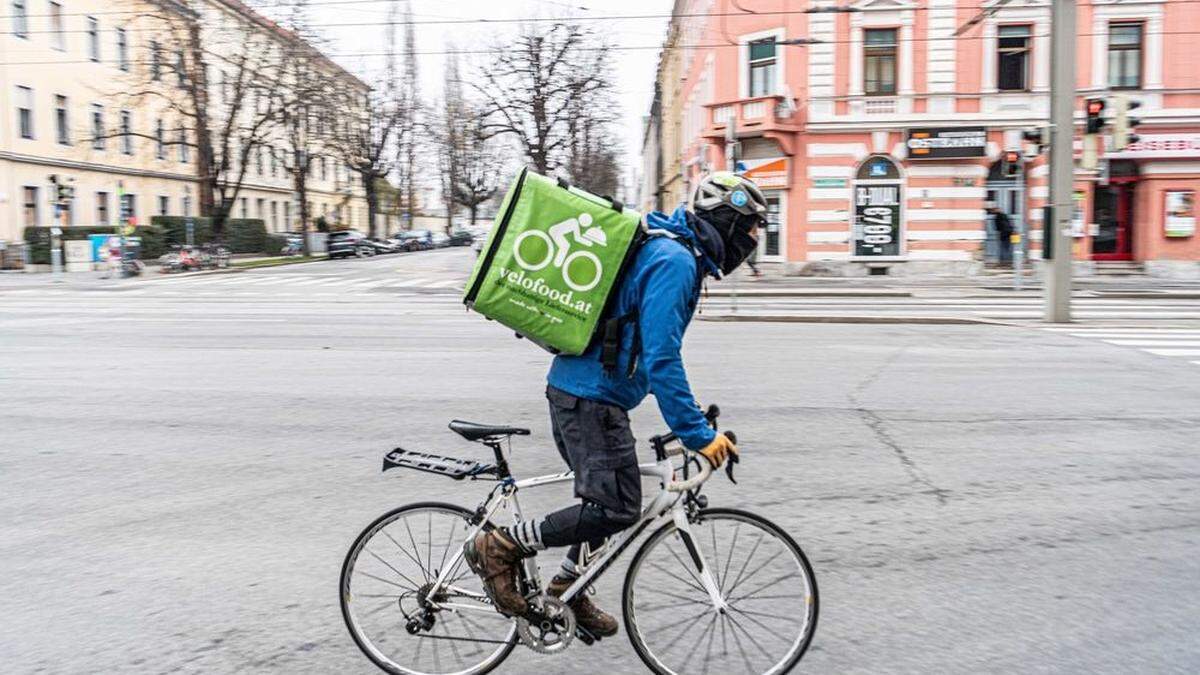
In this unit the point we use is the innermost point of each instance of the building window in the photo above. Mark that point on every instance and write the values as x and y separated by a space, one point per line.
25 112
128 208
324 169
274 161
274 216
30 206
58 37
164 205
185 150
97 126
160 145
180 69
102 209
258 159
245 211
1012 69
879 62
762 67
20 17
1125 56
126 132
260 206
155 61
62 120
122 50
93 31
287 215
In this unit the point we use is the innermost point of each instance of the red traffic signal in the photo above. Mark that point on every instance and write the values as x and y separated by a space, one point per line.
1095 115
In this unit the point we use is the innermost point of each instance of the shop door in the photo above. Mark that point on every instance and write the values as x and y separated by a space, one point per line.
1112 212
771 240
1009 197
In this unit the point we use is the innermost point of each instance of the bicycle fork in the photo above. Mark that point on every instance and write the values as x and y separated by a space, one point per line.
683 527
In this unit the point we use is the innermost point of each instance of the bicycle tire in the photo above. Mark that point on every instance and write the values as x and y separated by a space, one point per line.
627 596
343 591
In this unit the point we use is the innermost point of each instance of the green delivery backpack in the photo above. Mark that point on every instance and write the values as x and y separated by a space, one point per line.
552 263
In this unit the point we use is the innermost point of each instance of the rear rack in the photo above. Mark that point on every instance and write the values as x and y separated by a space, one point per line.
453 467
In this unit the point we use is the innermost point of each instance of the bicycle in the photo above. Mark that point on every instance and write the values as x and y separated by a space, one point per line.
406 569
558 250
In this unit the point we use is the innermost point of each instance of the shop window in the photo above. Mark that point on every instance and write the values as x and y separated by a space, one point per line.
102 208
1125 56
1012 60
763 67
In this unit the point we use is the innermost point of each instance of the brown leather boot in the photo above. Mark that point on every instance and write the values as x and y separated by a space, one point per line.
597 621
494 556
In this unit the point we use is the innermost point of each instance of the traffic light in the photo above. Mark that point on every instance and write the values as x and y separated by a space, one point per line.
1039 137
1123 124
1095 115
1010 164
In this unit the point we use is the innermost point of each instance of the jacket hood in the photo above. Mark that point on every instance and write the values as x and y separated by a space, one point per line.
701 237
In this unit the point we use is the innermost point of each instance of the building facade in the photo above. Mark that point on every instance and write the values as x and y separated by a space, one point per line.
67 68
882 144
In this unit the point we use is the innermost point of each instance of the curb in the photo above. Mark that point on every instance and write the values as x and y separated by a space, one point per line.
861 319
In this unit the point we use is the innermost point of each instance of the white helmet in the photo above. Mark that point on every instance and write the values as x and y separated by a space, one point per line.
729 189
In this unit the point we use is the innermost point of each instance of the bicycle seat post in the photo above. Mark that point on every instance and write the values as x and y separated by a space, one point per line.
501 463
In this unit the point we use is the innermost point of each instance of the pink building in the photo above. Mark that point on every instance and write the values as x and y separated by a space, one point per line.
882 145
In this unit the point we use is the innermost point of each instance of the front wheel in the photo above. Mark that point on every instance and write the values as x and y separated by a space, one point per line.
766 614
392 610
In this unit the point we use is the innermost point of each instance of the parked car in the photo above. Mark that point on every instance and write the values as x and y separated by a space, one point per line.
385 246
345 243
414 240
440 239
461 238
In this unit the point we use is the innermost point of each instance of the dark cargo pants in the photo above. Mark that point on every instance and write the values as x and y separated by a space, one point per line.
595 440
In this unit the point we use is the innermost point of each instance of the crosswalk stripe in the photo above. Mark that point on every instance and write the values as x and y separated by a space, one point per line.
1173 352
1154 343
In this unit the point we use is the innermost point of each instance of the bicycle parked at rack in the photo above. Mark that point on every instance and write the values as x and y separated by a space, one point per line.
713 589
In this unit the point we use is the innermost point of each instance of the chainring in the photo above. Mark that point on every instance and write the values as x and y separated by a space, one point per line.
550 630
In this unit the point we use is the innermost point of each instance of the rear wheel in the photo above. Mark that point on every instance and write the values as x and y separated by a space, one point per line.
391 614
763 579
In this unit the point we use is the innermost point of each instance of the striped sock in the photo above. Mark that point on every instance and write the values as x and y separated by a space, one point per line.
528 533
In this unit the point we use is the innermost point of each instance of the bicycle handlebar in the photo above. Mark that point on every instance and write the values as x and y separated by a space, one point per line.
706 469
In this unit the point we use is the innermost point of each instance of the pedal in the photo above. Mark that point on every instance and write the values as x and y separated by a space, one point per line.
586 636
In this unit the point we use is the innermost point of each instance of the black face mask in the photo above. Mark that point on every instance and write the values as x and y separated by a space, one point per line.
735 229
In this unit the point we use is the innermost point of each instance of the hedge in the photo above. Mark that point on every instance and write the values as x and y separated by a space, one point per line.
273 244
242 235
38 240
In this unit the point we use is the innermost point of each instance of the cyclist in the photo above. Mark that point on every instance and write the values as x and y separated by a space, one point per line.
589 403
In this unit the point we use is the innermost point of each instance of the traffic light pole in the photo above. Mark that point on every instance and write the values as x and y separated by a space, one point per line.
1062 159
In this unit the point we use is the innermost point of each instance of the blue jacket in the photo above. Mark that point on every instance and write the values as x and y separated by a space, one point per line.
663 285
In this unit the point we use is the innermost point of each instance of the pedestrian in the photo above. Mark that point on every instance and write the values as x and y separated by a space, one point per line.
1002 226
589 406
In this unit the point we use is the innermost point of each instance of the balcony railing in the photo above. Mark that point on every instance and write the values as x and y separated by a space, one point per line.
879 106
751 115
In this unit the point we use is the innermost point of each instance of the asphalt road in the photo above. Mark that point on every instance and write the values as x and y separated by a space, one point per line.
183 469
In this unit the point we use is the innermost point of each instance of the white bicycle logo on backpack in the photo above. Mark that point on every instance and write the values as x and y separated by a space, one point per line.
558 249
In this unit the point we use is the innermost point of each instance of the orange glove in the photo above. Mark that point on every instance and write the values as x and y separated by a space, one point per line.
719 450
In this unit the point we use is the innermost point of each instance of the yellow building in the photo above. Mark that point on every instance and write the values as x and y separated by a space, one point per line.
88 91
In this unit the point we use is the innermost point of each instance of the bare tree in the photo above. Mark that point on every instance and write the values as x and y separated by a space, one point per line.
227 121
539 89
408 140
368 144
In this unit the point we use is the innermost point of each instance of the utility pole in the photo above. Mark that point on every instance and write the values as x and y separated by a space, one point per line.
1062 160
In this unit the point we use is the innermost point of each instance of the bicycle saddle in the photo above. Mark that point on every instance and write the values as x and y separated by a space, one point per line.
476 432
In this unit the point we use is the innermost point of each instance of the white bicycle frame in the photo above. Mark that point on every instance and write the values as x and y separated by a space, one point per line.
666 504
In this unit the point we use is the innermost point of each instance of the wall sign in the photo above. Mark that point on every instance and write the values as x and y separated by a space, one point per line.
946 143
1180 217
877 199
767 174
1161 145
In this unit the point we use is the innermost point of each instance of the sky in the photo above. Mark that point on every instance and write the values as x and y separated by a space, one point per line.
355 31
